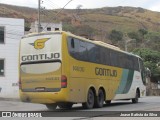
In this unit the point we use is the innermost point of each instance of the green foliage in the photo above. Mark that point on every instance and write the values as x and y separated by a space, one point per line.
142 31
138 35
134 35
153 40
27 26
115 36
79 30
151 60
68 27
153 35
84 30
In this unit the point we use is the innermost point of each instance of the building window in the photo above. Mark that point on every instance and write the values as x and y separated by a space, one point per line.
1 67
56 29
1 35
48 28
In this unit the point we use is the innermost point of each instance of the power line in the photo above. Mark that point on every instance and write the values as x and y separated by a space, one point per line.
12 38
120 2
39 12
12 32
45 10
59 12
51 3
63 7
12 25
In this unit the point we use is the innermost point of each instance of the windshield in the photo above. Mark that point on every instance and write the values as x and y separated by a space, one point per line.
38 53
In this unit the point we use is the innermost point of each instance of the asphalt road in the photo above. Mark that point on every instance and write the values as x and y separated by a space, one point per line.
148 104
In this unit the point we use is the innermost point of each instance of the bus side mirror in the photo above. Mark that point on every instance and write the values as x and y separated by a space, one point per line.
148 72
147 75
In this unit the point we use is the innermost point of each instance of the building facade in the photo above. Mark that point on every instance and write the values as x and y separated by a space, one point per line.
11 31
45 27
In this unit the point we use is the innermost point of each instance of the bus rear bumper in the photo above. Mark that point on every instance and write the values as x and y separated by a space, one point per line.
43 97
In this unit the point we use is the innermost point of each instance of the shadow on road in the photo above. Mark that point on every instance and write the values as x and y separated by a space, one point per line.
114 104
106 111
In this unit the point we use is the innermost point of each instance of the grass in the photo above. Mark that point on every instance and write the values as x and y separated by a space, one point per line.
120 18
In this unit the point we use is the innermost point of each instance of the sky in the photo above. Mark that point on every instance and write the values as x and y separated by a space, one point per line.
153 5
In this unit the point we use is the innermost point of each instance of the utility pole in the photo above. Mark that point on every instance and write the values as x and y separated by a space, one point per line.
39 22
125 44
127 40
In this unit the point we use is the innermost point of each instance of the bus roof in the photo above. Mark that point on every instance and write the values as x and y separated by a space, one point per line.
82 38
106 44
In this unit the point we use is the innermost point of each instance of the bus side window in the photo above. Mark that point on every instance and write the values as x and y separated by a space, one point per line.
91 52
142 69
73 47
114 58
83 55
97 54
72 43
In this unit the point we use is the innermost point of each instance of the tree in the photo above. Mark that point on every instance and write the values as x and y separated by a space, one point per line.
115 36
153 39
151 60
143 32
138 35
134 35
68 27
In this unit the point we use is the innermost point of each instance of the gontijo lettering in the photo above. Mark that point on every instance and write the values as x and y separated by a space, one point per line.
105 72
37 57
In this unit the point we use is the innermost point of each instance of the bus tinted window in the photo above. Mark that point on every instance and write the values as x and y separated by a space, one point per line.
105 54
91 52
86 51
102 55
136 63
97 54
82 51
74 47
114 58
142 70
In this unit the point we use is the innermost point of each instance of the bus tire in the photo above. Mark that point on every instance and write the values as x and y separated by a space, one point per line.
51 106
65 105
99 99
108 101
90 100
135 100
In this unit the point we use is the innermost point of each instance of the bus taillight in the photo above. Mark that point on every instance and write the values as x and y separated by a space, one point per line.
63 81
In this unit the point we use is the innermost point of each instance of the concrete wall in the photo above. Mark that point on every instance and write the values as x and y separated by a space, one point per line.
14 30
152 88
44 26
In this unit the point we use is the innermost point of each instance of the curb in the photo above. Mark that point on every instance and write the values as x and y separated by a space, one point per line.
10 99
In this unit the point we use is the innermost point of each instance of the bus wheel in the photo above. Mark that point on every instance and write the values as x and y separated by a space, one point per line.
135 100
90 100
51 106
108 101
99 99
65 105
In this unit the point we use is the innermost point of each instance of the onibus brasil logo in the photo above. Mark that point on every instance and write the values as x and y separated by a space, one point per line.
39 43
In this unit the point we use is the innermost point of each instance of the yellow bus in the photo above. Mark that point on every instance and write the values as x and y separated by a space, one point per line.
61 69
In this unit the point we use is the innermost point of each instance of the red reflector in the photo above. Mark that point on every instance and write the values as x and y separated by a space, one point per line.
63 84
63 81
